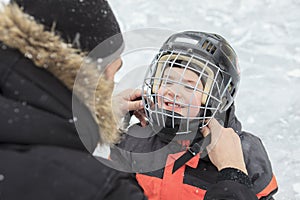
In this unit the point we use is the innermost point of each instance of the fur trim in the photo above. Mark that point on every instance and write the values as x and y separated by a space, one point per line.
47 50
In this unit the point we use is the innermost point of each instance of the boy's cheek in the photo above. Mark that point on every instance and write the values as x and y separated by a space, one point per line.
195 112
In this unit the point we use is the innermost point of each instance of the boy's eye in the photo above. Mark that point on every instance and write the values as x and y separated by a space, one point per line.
167 83
189 87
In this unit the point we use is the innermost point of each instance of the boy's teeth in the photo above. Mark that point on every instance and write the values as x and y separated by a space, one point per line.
171 104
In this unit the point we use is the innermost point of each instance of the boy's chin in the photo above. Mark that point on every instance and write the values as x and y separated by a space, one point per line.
180 113
175 112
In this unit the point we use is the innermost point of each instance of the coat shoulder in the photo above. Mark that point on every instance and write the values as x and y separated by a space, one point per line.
257 161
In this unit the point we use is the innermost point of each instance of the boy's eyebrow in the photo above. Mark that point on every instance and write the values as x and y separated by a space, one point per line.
168 76
183 79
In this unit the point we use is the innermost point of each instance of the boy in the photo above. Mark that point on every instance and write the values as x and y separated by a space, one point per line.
189 91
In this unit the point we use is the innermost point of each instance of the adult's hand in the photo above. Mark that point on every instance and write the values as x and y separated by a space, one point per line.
129 100
225 149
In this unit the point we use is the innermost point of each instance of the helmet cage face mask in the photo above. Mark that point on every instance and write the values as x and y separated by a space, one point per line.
173 101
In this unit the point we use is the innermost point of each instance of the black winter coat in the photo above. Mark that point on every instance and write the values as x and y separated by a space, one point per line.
41 154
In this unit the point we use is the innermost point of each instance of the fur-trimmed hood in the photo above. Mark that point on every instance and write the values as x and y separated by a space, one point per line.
47 50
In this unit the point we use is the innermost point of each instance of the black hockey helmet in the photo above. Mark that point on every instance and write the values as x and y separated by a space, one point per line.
214 61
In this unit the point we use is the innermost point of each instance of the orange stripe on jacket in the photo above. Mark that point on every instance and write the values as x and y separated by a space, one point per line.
267 190
171 186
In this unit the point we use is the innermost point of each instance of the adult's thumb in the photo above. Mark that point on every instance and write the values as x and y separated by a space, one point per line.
205 131
135 105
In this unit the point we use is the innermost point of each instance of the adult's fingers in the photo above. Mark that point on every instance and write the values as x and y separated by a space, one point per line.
141 117
135 105
205 131
214 124
215 129
212 127
135 94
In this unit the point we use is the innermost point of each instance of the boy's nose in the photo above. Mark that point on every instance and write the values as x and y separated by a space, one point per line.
174 91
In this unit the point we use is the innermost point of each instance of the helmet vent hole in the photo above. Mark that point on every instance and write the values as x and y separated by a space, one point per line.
209 47
233 92
213 50
205 44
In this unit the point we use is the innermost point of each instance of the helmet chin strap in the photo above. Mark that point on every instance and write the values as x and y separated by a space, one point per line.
174 128
197 147
177 128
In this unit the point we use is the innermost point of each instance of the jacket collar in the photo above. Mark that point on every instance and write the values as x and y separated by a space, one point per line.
47 50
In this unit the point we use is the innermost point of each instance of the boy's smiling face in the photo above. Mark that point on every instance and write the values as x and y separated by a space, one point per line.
177 91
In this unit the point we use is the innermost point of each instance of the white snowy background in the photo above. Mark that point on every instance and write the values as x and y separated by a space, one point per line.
265 35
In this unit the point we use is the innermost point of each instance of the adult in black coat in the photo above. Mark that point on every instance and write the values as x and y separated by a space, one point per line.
42 47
